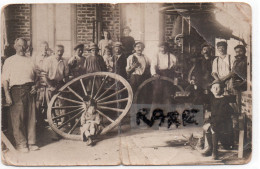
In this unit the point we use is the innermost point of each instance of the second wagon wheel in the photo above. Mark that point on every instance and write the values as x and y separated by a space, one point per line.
110 92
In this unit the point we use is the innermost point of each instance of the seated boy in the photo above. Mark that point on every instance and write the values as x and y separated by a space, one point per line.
90 122
220 126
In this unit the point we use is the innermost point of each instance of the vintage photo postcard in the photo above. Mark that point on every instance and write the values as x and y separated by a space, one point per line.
126 84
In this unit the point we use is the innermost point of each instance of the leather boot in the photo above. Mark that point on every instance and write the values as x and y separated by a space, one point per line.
215 146
208 151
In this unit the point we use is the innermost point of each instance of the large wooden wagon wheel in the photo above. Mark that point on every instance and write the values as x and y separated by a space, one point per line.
111 93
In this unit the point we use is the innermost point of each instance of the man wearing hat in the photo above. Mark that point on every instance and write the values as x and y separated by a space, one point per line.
119 59
94 63
222 64
239 69
137 66
127 41
77 62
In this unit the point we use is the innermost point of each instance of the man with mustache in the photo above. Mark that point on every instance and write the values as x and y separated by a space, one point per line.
19 85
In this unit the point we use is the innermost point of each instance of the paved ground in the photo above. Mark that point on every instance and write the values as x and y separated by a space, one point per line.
133 147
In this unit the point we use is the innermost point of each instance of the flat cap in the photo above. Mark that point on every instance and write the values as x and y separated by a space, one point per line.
118 44
93 46
139 42
81 46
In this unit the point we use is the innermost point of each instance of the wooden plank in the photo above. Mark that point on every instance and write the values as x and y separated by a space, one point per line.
7 142
241 144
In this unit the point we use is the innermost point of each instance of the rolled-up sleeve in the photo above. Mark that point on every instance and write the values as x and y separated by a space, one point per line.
153 65
128 63
6 71
214 66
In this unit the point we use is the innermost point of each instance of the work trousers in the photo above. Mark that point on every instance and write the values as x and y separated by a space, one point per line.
22 113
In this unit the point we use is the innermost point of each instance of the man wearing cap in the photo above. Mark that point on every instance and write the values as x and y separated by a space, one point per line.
120 61
18 80
222 65
77 62
127 41
137 66
239 70
94 63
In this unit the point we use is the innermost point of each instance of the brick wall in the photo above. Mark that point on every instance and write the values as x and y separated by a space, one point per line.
18 21
85 13
84 26
111 20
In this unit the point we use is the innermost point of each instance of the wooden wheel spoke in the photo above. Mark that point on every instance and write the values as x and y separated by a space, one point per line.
100 87
83 87
70 100
68 113
107 90
102 114
74 126
93 85
114 101
65 107
110 108
63 124
76 94
117 92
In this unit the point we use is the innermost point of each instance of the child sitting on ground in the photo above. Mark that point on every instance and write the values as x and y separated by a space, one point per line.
90 122
220 126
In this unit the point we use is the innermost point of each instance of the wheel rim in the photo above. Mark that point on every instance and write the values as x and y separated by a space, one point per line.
111 92
151 80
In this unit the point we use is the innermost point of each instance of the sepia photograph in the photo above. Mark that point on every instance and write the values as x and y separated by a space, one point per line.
101 84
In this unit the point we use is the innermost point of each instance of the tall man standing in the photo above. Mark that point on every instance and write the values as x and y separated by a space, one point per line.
222 65
163 64
39 60
56 74
119 59
18 81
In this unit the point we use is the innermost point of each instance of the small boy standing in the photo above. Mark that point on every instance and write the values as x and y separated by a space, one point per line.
108 58
221 127
90 122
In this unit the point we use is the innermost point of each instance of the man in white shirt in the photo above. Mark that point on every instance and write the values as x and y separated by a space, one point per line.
18 78
163 65
222 64
164 62
137 65
56 71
